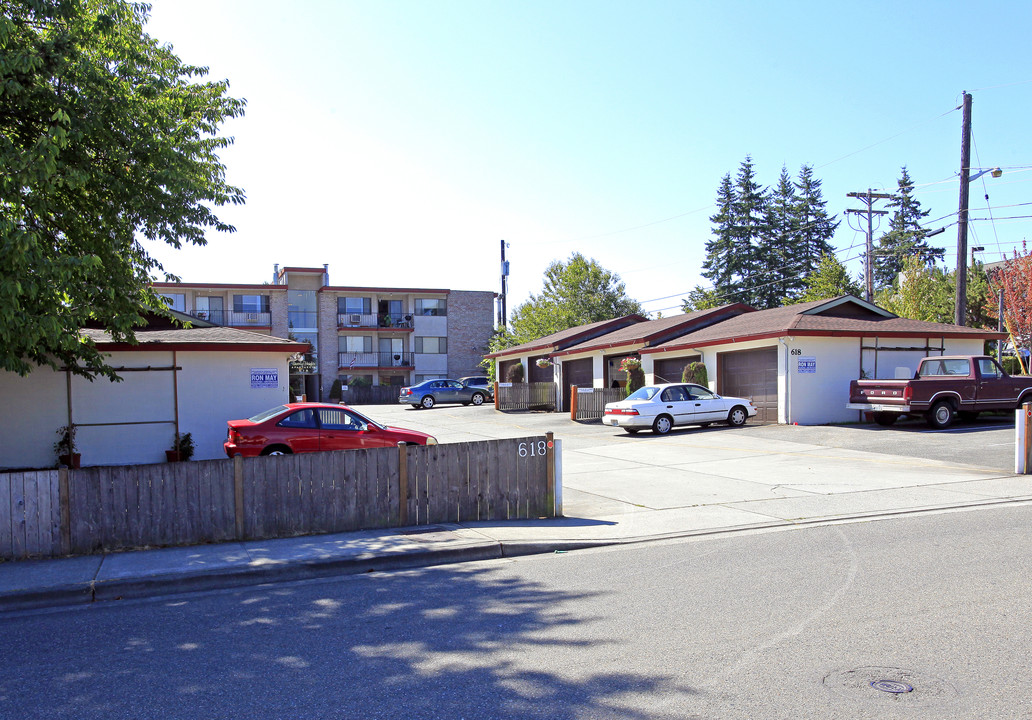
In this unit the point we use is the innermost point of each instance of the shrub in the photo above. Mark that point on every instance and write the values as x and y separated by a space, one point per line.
515 373
335 391
635 375
1011 365
695 373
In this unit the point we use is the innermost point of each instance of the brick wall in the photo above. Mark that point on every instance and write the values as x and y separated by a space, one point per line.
470 326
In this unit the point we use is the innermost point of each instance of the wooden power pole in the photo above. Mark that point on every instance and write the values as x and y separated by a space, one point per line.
869 198
960 305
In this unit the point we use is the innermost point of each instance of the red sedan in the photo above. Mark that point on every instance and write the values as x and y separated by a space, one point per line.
313 427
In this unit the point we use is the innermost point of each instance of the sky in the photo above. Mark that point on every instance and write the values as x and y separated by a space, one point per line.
400 142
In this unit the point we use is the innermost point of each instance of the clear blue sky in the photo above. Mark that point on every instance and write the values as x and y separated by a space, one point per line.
401 141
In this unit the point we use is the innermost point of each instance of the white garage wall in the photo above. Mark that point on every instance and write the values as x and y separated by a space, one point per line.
818 397
34 408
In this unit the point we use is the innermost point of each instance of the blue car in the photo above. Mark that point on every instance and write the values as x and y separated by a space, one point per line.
430 392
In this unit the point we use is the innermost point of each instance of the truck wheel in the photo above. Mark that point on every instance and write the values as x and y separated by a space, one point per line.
886 418
941 415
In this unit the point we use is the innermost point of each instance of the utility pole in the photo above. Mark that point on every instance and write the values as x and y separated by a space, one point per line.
869 199
960 317
502 312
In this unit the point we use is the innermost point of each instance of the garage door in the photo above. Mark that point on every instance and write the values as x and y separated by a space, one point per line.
579 373
752 374
540 374
671 370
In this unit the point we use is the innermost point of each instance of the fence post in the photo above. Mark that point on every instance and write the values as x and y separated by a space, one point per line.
238 495
496 394
403 484
1023 439
66 513
573 402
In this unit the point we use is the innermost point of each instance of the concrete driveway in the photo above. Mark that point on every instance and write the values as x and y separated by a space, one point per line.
721 477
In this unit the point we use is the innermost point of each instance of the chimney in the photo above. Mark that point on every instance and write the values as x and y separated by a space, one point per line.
275 274
326 275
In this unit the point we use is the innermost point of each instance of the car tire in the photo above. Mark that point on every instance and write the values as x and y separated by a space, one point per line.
885 419
477 399
662 425
941 415
277 450
427 402
737 416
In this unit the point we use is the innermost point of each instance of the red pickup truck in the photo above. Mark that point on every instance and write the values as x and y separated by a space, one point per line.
942 388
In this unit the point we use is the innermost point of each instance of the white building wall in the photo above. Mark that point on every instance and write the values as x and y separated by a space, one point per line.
213 387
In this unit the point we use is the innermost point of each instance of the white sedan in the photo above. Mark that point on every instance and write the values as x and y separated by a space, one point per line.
663 407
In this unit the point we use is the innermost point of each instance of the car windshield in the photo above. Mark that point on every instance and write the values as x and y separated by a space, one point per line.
263 416
645 393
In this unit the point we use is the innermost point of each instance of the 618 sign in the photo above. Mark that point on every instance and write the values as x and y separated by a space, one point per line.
533 449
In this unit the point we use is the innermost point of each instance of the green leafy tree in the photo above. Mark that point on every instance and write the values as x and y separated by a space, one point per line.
830 279
921 292
577 292
106 139
701 299
905 237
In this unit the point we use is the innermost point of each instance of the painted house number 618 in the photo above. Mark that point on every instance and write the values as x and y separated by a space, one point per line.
533 449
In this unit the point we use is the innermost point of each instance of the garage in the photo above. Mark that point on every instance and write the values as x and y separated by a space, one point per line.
752 374
671 370
576 372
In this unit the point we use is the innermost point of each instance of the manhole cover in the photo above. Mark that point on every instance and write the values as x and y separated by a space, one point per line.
891 686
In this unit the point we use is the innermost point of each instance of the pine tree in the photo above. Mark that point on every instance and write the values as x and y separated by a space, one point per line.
775 275
828 280
905 237
717 267
816 228
747 229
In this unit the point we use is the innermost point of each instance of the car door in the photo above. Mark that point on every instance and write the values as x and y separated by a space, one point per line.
300 430
676 402
992 388
340 430
707 406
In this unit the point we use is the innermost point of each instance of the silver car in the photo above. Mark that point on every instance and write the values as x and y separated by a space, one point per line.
480 382
430 392
661 407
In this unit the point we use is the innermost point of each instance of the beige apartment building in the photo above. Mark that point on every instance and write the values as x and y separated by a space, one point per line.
359 335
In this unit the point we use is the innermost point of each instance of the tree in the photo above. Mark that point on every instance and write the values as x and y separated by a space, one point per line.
905 237
1014 277
577 292
106 138
828 280
921 293
718 267
701 299
775 273
748 228
815 228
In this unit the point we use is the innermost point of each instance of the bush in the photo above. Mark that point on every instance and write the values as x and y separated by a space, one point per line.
695 373
335 391
1011 366
635 375
515 373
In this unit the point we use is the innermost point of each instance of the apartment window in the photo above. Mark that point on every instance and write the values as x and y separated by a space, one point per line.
251 303
354 306
355 344
301 308
431 345
313 339
176 301
431 306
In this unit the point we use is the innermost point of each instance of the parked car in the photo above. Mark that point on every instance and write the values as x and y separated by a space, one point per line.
663 407
480 382
313 427
942 388
430 392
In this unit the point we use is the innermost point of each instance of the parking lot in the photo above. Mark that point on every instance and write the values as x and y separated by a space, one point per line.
755 471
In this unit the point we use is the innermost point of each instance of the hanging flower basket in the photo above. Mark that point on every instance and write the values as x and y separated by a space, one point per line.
630 363
543 362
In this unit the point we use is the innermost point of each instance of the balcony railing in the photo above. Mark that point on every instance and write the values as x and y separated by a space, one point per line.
249 319
216 316
374 359
363 320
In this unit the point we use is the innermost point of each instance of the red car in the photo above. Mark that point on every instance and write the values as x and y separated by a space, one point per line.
313 427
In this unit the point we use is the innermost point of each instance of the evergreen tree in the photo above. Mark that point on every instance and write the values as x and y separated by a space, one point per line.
748 227
718 265
775 272
905 237
815 227
828 280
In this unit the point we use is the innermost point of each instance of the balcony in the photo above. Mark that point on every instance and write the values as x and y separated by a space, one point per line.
249 319
381 322
399 359
216 316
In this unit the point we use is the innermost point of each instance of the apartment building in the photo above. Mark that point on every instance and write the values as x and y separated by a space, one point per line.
359 335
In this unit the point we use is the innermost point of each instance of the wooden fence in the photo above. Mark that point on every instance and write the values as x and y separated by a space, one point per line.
526 396
102 509
588 403
371 395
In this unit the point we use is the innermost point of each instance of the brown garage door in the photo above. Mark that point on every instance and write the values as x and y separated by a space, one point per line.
671 370
752 374
579 373
540 374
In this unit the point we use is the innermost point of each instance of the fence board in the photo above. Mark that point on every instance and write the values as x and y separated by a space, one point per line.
7 481
590 406
527 396
17 513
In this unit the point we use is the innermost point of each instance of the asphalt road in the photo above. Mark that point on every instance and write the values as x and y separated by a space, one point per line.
788 624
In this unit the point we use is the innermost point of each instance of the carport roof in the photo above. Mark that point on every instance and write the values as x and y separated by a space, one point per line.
565 338
844 316
196 338
658 331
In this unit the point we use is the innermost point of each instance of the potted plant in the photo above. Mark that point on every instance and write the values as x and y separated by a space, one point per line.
182 451
543 362
635 374
65 448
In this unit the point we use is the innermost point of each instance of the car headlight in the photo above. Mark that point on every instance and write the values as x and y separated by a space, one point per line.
431 441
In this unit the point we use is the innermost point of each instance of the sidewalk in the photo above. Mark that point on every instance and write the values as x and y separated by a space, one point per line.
613 493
